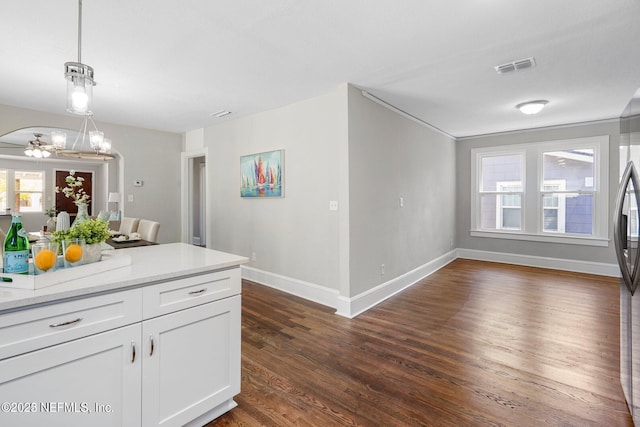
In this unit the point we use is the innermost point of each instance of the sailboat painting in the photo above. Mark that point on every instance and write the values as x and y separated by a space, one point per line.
261 174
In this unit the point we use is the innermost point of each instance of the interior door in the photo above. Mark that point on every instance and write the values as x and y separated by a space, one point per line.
65 204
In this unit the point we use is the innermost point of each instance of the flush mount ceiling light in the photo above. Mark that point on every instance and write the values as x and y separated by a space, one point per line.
532 107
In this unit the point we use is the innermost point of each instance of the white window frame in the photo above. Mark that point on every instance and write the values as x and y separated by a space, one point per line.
562 203
11 189
501 192
532 202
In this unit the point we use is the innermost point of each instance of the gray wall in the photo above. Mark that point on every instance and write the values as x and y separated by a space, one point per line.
552 250
148 155
297 235
391 156
342 147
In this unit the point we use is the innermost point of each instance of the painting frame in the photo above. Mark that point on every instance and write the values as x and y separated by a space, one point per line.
262 175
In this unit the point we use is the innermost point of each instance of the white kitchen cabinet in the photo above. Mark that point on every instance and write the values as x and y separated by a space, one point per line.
191 364
93 381
166 353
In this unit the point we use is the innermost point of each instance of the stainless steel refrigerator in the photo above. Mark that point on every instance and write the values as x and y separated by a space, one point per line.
626 239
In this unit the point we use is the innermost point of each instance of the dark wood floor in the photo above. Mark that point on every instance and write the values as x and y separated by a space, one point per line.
474 344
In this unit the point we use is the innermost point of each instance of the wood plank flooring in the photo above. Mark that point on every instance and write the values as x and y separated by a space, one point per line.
474 344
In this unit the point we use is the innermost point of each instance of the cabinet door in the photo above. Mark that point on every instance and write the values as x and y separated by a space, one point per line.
90 381
191 362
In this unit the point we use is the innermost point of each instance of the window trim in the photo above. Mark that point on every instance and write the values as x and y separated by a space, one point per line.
533 222
12 192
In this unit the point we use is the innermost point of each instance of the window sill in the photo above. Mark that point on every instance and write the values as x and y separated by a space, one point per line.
565 239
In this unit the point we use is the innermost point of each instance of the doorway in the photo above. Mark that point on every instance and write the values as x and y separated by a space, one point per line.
195 211
198 185
63 203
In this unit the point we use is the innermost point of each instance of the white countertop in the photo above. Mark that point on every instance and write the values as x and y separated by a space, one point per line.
149 264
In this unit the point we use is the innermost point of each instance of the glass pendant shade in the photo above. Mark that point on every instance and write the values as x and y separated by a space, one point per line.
59 140
96 138
105 147
79 87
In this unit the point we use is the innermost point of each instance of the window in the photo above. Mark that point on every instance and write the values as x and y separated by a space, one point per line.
551 191
4 199
21 191
28 191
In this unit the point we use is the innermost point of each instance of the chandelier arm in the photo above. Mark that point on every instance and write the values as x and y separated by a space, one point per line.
93 123
83 129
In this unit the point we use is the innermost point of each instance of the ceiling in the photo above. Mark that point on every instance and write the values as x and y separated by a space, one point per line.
167 65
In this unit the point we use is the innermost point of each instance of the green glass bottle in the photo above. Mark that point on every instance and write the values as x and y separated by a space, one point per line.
16 248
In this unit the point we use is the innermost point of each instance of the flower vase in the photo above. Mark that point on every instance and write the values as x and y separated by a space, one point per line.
83 213
51 224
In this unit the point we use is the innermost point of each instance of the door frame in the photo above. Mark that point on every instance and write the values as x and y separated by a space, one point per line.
187 196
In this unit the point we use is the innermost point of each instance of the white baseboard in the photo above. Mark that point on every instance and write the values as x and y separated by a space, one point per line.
351 307
600 268
316 293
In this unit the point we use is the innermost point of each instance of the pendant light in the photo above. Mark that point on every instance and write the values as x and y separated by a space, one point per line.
79 77
80 82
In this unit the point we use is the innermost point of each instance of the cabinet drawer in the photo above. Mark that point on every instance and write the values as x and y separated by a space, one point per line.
180 294
35 328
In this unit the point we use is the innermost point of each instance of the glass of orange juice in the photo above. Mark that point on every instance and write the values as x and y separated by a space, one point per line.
45 257
72 252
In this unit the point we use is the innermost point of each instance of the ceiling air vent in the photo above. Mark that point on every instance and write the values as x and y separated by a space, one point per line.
521 64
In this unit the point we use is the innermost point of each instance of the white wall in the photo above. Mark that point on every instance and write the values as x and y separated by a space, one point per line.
294 236
528 248
148 155
346 148
393 157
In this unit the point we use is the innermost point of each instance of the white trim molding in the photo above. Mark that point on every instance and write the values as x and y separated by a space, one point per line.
599 268
351 307
310 291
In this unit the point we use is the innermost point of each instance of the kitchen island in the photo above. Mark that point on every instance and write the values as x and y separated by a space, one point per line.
156 342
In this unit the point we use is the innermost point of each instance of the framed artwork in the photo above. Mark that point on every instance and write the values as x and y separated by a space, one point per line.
261 175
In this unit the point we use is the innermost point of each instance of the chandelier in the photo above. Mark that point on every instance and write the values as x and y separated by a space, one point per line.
40 149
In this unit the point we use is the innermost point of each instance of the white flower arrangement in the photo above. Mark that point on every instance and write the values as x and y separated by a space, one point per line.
74 189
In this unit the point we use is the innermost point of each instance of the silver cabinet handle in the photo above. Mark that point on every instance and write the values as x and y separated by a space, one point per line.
133 351
152 345
70 322
198 292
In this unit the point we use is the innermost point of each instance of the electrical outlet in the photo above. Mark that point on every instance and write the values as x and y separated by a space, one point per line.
333 205
253 256
382 269
402 202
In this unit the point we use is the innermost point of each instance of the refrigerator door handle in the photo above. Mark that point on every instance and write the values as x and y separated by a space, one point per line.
631 278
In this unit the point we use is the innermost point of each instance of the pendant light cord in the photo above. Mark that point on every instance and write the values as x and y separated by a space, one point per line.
80 31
